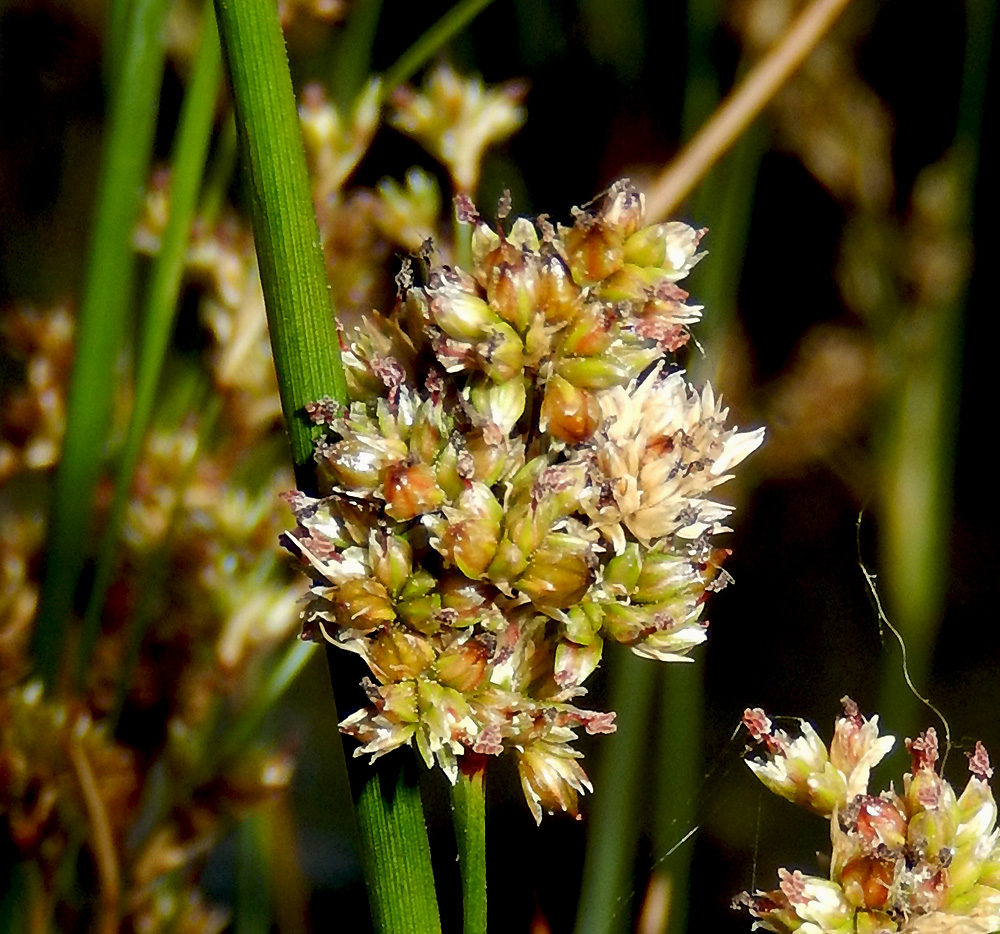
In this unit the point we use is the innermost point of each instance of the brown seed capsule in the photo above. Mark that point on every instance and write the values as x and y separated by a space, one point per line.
866 881
411 491
594 252
559 297
568 413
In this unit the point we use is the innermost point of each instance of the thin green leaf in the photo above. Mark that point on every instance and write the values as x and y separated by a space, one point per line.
353 57
449 26
100 327
194 134
395 853
252 907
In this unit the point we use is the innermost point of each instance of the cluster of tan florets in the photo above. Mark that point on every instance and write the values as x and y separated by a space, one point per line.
521 476
923 861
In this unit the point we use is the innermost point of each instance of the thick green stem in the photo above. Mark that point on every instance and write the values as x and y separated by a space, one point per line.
394 847
395 852
468 805
100 326
292 268
191 148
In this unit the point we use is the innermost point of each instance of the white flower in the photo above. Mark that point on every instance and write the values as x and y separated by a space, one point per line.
662 447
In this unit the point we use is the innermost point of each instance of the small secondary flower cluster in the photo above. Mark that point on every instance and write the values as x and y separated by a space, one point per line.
521 476
923 861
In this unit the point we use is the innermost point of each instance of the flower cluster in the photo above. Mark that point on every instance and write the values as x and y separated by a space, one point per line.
519 477
923 861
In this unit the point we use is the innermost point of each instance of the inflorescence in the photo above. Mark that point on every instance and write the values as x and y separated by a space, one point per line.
521 475
920 862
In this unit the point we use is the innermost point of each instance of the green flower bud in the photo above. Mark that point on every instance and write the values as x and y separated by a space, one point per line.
631 283
622 573
400 656
463 667
670 246
591 333
874 922
362 604
500 404
391 560
593 372
508 562
583 622
503 353
421 613
456 308
559 572
470 533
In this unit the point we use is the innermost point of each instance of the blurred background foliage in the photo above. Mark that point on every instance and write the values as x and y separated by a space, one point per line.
847 309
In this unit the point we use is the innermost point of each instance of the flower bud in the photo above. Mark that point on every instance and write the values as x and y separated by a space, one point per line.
590 333
470 535
866 882
463 667
456 308
575 663
559 297
594 251
411 491
670 247
362 604
400 656
391 559
421 613
500 404
631 283
568 413
559 572
593 372
502 353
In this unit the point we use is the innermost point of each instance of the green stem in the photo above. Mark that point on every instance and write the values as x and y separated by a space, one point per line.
220 173
395 852
619 787
100 327
468 806
678 775
394 846
449 25
280 678
193 137
292 268
252 909
353 61
918 466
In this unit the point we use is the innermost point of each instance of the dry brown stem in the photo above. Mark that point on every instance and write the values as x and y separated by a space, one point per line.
102 843
739 109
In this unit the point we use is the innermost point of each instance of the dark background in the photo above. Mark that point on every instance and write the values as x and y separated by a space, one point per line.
797 631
